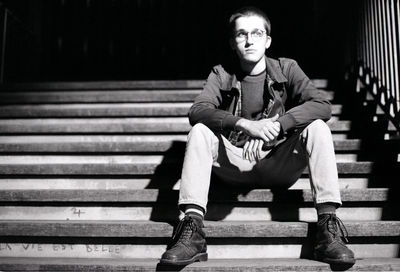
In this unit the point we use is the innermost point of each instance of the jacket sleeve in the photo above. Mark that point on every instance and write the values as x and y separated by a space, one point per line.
206 110
306 102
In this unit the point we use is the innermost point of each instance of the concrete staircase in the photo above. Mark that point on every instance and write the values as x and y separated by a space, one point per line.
89 181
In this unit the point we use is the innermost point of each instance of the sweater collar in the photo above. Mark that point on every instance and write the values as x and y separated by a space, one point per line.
274 71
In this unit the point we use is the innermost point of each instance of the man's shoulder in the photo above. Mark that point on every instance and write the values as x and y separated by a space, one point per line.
225 75
283 62
222 68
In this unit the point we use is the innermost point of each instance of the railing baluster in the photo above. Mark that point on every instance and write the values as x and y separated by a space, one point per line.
390 59
379 54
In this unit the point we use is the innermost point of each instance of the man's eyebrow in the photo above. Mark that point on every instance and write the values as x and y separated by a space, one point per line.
241 29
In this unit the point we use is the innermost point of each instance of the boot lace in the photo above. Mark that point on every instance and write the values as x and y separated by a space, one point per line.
184 230
335 226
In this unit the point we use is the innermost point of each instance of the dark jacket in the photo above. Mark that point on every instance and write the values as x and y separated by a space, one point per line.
302 101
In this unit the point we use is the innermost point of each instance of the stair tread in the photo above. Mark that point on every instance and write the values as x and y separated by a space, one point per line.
105 109
113 143
167 95
137 183
96 96
116 264
115 125
141 84
171 195
105 85
116 165
213 229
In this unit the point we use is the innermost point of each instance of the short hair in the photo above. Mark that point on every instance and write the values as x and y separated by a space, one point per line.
249 11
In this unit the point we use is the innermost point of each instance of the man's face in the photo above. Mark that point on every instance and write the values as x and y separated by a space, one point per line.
249 39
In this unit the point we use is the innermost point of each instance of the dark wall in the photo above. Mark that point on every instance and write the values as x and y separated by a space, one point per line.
174 39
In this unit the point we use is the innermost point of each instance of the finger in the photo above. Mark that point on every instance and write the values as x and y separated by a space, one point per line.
259 149
277 126
245 147
264 137
250 150
255 149
268 135
273 132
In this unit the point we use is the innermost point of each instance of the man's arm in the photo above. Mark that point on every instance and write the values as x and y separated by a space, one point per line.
307 102
261 131
205 107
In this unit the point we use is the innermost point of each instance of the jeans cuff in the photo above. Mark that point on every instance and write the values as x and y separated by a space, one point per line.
332 200
190 201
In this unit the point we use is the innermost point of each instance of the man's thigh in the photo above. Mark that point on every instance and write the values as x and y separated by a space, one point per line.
281 167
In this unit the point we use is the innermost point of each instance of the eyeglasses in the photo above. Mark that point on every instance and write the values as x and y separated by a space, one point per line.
256 35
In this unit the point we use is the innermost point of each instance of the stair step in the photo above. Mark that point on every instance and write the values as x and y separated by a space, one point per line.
113 144
113 125
169 212
103 109
155 204
243 248
94 110
226 239
44 97
71 183
115 165
213 229
236 264
122 85
171 196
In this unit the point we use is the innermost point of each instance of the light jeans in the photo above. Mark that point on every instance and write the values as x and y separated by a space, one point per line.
280 167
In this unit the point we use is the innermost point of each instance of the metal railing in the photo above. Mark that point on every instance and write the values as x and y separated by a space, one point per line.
378 53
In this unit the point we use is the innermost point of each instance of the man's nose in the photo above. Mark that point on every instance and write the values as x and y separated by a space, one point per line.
249 39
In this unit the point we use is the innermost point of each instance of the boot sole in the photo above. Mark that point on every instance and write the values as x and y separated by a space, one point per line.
201 257
337 261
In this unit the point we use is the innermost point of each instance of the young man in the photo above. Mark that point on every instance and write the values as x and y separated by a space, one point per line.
258 124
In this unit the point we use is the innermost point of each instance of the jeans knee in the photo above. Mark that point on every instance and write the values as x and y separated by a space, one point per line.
200 131
318 127
200 128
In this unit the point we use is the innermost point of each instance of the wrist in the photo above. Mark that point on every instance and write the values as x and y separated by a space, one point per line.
241 124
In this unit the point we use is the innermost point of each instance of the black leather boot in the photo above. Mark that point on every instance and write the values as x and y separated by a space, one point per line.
188 243
330 246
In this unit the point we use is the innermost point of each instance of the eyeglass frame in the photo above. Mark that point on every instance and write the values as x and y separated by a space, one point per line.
252 34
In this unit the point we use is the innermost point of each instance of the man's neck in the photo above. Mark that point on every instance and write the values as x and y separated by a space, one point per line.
254 68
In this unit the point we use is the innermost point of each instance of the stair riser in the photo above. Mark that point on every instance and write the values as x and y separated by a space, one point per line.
88 184
155 251
120 169
118 165
221 229
105 96
169 212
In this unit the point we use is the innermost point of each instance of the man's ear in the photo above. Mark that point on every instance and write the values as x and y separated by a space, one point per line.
268 44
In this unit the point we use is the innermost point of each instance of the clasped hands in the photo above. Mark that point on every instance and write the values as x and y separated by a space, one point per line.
260 132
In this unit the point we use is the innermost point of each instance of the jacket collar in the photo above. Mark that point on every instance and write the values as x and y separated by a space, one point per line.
274 70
